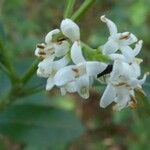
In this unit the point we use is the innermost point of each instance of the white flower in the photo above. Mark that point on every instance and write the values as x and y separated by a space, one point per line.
69 87
70 29
129 55
59 48
80 75
76 53
121 85
49 36
116 40
52 49
48 68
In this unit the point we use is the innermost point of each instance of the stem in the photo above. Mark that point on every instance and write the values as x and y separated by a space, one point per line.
4 69
87 47
8 64
83 8
93 54
69 8
32 69
33 90
16 92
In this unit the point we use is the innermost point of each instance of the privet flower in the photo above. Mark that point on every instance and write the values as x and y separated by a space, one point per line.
48 68
50 48
124 78
70 29
64 65
122 82
116 40
80 75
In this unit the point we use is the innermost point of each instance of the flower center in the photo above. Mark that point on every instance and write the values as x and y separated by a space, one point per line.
76 72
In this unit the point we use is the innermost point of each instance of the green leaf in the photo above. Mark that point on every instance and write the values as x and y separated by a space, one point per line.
42 126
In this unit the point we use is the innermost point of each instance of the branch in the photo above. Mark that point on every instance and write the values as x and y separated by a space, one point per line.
69 8
82 10
7 64
5 70
30 72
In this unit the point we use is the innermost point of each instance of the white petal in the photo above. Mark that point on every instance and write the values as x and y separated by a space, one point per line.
142 81
48 38
111 25
110 47
83 86
76 53
63 91
136 69
45 68
128 53
64 76
50 51
50 84
138 48
126 38
117 69
71 87
38 49
133 83
123 97
121 71
70 29
108 96
36 52
61 49
116 56
94 67
61 63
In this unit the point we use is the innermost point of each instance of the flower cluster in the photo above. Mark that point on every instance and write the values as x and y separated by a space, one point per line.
124 80
70 75
64 65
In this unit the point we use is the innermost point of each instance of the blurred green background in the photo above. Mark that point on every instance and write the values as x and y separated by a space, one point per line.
48 121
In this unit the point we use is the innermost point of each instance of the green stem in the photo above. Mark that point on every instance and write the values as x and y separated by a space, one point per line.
83 8
5 70
16 92
93 54
69 8
32 69
6 61
33 90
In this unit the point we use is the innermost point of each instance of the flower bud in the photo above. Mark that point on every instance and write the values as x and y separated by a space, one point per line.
70 29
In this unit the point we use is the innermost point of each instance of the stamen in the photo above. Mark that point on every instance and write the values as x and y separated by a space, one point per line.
125 37
41 53
76 71
41 46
